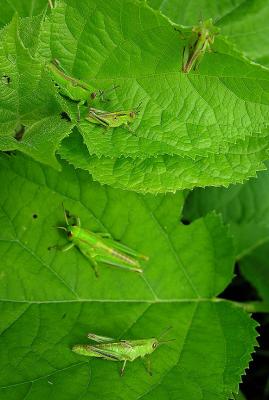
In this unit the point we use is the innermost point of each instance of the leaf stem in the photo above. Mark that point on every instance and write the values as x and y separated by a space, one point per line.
254 306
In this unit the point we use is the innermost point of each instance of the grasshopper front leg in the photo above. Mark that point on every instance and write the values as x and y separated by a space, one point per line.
63 248
148 365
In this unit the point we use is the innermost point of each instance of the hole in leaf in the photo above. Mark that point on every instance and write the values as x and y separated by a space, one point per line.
19 133
6 79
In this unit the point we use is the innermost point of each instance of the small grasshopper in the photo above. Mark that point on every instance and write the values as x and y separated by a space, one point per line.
73 88
200 42
112 119
99 247
122 350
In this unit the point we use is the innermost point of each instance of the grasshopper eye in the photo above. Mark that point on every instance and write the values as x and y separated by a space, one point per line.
69 234
154 345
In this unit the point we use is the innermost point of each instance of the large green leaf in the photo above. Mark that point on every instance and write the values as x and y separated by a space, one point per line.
163 173
244 207
50 300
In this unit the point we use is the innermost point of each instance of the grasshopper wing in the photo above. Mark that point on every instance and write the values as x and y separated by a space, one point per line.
105 354
124 248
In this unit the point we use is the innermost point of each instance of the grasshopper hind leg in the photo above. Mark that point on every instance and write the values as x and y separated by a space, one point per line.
123 368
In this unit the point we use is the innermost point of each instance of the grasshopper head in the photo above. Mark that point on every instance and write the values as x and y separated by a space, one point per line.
135 111
70 229
206 29
155 343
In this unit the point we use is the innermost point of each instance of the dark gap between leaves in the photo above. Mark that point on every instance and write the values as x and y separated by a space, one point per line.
185 221
65 116
254 382
240 289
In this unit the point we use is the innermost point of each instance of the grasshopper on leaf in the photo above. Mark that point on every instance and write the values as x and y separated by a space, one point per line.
99 247
112 119
200 42
73 88
122 350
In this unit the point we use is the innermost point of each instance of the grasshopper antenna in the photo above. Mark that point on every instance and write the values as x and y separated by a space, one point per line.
61 227
166 341
65 215
164 332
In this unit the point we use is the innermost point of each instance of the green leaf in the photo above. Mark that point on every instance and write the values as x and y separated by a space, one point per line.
27 104
165 173
188 12
244 22
50 300
255 268
24 8
240 396
247 27
244 207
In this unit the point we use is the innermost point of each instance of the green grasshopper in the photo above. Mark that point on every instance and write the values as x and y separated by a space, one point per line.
73 88
202 38
112 119
99 247
122 350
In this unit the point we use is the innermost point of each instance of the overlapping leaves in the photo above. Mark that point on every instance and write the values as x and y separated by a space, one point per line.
245 208
204 128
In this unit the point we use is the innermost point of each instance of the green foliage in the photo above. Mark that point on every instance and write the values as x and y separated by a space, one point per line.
27 102
255 268
244 22
205 128
51 300
25 8
190 131
244 207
